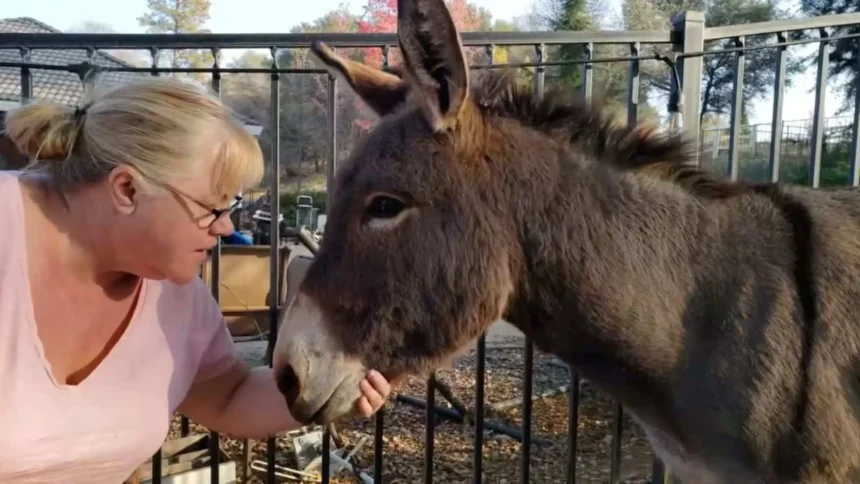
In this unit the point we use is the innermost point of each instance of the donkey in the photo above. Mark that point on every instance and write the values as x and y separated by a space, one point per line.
721 314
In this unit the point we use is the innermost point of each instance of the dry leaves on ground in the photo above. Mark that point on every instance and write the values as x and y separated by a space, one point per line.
453 445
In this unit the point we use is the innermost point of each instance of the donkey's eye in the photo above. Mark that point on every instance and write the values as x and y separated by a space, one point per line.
384 207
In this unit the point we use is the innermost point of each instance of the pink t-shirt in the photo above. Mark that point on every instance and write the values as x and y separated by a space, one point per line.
101 430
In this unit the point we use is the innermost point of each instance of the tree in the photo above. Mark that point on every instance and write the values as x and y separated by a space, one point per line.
179 17
131 57
304 97
609 79
843 56
304 107
91 27
717 69
568 15
248 94
381 16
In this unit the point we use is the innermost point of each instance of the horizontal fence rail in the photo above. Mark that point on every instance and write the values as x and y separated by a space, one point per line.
777 26
687 40
303 40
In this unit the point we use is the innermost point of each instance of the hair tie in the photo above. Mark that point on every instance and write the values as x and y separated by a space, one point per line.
80 113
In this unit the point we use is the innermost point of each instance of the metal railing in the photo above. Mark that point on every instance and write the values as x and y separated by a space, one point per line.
686 38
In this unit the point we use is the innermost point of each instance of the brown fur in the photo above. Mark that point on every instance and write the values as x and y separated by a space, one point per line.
721 314
591 129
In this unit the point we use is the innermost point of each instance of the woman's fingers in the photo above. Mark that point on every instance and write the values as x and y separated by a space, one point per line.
364 408
379 383
375 389
371 397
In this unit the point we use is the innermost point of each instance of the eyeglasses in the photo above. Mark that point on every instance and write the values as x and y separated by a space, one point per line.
215 213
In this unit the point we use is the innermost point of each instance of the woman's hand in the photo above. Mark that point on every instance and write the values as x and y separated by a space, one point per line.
375 389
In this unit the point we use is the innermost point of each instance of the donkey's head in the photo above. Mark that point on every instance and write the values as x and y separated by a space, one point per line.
418 258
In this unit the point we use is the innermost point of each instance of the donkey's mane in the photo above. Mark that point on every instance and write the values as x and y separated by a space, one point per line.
636 147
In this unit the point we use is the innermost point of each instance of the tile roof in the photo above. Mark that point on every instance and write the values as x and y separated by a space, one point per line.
60 86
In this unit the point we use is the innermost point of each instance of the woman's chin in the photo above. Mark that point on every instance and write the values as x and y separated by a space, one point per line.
183 277
177 275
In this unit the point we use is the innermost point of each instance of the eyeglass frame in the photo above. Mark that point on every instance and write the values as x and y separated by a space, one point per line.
217 212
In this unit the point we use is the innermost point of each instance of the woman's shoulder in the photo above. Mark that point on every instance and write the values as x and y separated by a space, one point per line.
10 200
9 176
9 181
10 186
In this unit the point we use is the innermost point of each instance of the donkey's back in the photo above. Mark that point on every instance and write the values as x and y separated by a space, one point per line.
785 348
830 250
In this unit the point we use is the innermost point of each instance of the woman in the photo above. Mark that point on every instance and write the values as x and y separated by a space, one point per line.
105 328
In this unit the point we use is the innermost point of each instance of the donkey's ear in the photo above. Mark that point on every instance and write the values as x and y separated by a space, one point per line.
434 57
382 91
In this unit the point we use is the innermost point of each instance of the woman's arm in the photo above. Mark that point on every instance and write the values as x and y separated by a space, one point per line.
247 403
228 397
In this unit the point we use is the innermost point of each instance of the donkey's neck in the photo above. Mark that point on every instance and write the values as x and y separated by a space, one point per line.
608 268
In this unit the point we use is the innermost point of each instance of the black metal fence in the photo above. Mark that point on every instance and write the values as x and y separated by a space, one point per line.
686 42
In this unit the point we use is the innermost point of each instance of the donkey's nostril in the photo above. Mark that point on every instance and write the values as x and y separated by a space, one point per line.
288 384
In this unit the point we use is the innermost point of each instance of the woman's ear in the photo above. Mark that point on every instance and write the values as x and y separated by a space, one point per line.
123 189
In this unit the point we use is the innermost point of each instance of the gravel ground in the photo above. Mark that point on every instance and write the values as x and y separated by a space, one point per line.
403 441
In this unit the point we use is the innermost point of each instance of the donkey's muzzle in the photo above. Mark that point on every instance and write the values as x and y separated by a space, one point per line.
288 384
320 383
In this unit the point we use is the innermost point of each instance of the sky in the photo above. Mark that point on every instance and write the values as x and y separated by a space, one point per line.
227 16
272 16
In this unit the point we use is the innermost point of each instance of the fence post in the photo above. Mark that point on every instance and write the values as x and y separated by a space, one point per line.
688 36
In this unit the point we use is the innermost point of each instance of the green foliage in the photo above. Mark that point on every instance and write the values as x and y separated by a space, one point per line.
175 16
288 203
835 168
754 165
609 80
572 15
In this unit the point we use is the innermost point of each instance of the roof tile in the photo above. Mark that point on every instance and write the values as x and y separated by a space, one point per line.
52 85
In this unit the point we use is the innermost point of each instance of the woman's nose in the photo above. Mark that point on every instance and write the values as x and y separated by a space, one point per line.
222 226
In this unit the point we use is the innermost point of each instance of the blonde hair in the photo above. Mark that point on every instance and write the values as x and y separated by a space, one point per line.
162 127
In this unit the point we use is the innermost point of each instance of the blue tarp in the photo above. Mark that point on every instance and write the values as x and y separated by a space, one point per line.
237 238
